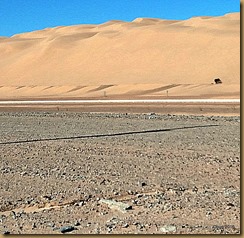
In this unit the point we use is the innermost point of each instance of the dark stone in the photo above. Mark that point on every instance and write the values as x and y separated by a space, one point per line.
125 225
66 229
143 184
217 81
77 224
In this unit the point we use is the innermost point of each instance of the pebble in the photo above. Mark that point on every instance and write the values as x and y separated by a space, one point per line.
66 229
139 195
168 228
13 215
77 224
125 225
81 203
142 184
51 224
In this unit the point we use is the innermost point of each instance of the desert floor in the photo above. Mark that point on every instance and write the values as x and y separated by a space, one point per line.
173 173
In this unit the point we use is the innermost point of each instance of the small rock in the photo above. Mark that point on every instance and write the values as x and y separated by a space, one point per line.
142 184
125 225
97 230
51 224
77 224
87 197
81 203
6 232
66 229
134 201
116 205
184 226
47 197
168 228
194 189
13 214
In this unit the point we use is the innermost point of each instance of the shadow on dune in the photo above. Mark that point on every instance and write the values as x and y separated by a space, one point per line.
105 135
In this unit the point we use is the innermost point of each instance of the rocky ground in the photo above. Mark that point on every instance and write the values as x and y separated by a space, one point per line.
100 173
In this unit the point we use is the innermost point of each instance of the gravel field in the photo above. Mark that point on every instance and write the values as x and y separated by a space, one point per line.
118 173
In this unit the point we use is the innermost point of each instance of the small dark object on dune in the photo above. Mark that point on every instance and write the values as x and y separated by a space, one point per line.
217 81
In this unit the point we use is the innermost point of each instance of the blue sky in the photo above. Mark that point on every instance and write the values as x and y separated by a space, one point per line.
17 16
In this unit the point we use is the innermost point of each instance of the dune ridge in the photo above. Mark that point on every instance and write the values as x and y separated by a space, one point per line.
146 51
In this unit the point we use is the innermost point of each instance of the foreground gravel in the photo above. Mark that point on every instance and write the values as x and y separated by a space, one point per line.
168 174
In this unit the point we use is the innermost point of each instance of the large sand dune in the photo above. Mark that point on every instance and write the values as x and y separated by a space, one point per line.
143 57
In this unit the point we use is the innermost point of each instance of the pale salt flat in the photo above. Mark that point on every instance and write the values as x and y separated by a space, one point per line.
120 101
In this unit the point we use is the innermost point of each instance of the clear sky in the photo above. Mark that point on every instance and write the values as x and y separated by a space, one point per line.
17 16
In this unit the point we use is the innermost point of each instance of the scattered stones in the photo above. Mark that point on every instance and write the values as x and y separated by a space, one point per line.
184 225
128 169
47 197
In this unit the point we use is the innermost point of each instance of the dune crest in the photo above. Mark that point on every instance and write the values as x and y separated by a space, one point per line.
144 51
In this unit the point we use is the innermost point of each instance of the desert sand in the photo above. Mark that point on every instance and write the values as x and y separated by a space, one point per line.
143 58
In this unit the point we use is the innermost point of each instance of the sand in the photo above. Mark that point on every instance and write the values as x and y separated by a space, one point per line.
143 58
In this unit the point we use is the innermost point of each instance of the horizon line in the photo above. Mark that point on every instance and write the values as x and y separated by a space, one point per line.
100 23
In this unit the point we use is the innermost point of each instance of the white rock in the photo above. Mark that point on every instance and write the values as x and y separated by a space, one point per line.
168 228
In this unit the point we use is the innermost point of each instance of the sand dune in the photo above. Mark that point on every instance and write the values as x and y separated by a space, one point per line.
137 57
123 91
